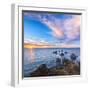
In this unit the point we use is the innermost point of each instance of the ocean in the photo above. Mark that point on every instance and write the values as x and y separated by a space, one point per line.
37 56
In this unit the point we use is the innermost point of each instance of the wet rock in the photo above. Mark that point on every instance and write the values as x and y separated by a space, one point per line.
42 70
73 56
69 68
55 52
62 54
72 69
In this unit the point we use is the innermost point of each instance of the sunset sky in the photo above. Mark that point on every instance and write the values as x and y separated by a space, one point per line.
51 29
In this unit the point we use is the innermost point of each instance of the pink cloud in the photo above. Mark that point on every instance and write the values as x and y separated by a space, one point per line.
68 27
72 27
56 30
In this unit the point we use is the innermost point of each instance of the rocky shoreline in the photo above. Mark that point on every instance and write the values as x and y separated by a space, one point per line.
68 68
63 66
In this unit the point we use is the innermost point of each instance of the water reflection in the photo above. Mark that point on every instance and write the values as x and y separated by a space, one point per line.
32 55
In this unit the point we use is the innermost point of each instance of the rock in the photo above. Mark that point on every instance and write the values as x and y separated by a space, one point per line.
55 52
72 69
73 56
42 70
69 68
65 52
62 54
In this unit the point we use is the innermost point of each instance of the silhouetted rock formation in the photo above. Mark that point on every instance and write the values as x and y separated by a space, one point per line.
42 70
64 66
69 68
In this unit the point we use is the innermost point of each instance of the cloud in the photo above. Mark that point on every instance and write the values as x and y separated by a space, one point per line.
65 30
72 27
50 21
37 42
68 28
56 30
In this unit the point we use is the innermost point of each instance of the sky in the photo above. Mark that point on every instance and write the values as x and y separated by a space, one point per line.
59 29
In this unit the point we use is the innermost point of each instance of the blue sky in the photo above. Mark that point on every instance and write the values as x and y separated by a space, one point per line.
52 28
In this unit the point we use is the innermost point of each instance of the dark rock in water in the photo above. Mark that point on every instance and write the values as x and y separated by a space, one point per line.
62 54
73 56
42 70
54 52
65 52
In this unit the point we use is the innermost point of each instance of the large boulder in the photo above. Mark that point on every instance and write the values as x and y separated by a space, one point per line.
42 70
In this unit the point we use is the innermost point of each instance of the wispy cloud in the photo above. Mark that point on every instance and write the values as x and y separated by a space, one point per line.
72 27
52 24
64 30
37 42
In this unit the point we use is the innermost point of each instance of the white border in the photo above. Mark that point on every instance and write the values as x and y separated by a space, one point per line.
16 79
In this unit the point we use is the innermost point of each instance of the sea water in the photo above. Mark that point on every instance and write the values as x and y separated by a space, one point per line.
33 58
